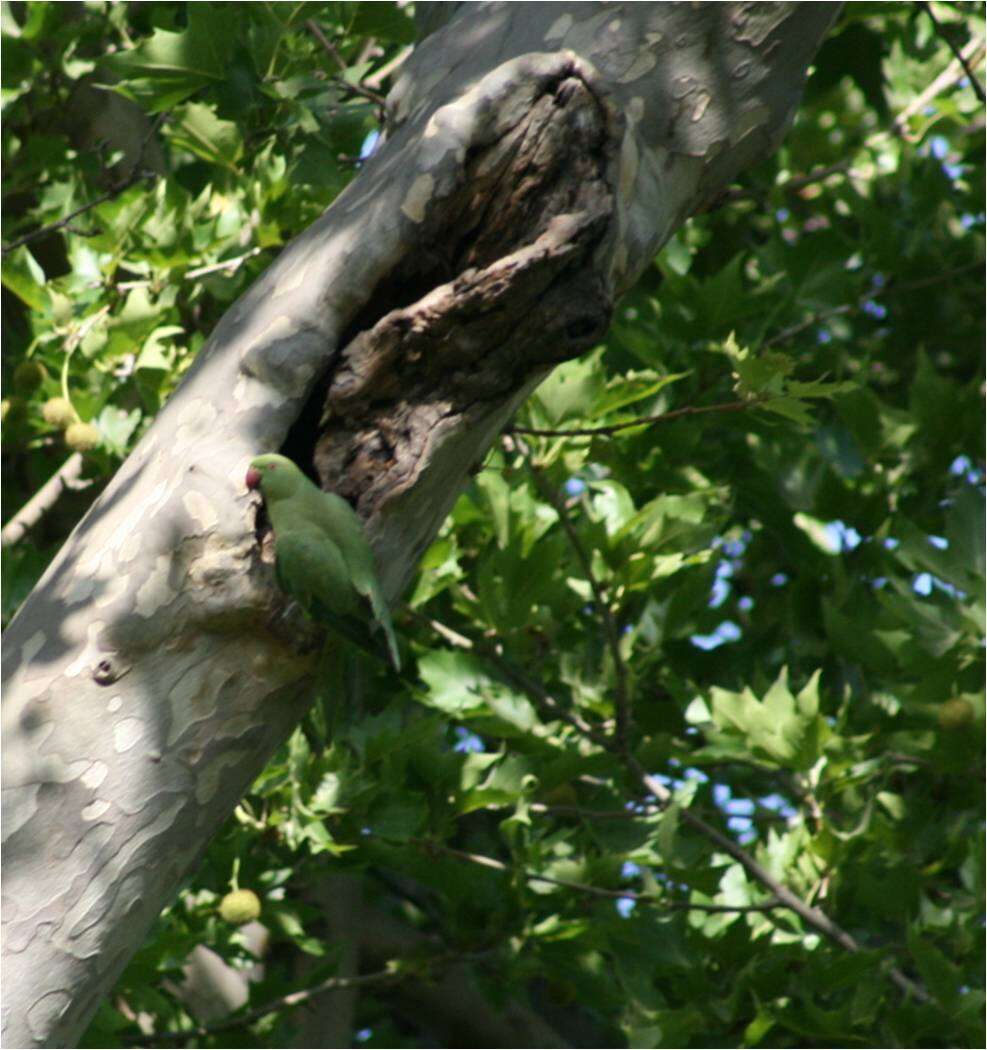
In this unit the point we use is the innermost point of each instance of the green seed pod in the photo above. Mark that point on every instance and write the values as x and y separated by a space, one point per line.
239 906
28 376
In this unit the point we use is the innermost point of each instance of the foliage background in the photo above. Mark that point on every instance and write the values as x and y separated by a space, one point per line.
774 593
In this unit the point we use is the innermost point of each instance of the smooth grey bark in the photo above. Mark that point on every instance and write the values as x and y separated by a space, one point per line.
536 156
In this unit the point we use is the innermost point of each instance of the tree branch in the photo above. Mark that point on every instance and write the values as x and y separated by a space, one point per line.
960 57
641 421
622 700
953 73
68 476
872 293
811 915
378 77
389 975
483 861
784 897
949 76
355 87
137 174
532 689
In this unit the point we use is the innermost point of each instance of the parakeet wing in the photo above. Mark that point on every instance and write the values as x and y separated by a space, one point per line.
311 568
323 556
338 519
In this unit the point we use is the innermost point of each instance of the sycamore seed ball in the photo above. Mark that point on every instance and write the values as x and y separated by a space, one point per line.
28 376
955 714
81 437
58 412
239 906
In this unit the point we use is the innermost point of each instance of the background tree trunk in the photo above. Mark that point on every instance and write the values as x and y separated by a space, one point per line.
536 156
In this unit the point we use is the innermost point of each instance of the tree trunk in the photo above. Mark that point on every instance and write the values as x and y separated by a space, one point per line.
535 157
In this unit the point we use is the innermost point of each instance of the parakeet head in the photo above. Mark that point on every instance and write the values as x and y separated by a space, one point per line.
276 476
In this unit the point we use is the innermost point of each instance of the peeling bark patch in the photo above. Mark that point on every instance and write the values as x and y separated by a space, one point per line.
126 733
699 107
39 1016
508 284
753 119
90 654
95 810
156 591
95 775
196 420
200 510
558 29
640 67
418 197
31 648
115 589
209 779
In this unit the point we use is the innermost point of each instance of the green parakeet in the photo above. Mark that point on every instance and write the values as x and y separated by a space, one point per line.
323 559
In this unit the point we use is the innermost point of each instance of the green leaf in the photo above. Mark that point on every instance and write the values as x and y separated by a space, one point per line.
571 390
24 277
167 67
196 127
384 20
117 427
941 977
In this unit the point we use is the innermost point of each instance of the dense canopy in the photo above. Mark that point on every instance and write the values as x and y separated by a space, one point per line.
705 627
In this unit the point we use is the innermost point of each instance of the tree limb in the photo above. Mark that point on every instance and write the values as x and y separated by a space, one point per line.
960 56
68 476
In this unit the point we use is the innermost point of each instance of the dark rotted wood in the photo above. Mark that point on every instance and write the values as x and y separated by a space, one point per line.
516 289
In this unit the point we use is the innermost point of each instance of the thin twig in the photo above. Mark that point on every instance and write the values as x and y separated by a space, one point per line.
892 287
356 88
226 264
973 52
378 77
137 174
296 999
483 861
594 814
284 1002
532 689
809 914
785 897
233 264
622 699
793 330
68 476
793 185
662 417
960 57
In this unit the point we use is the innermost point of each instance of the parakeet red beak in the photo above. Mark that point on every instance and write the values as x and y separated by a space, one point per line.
253 478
